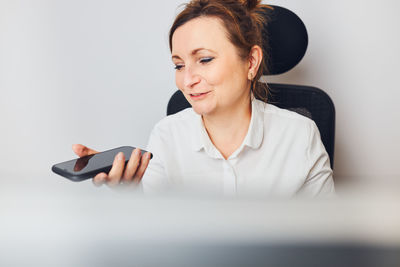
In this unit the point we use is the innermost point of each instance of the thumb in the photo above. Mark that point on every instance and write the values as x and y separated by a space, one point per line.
81 150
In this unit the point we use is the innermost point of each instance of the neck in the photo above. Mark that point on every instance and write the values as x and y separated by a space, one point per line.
227 129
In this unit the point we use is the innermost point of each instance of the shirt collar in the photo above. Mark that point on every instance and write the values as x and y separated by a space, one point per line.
202 140
253 139
199 133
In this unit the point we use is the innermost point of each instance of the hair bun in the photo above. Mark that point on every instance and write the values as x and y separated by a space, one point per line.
251 4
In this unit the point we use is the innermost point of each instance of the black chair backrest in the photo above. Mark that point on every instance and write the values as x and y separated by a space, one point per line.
285 43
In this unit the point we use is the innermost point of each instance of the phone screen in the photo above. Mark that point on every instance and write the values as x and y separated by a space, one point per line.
87 167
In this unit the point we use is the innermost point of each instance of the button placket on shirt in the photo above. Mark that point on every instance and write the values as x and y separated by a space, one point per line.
229 178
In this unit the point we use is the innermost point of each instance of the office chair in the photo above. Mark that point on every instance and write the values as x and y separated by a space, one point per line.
285 39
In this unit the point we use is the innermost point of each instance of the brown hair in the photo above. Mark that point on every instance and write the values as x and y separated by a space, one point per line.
243 21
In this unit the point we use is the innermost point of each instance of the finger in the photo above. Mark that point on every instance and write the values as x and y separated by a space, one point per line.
144 162
114 176
132 166
100 179
82 150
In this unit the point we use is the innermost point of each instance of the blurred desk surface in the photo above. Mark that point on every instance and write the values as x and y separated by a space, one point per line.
67 224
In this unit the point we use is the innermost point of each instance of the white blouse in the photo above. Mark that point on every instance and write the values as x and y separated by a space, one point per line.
281 155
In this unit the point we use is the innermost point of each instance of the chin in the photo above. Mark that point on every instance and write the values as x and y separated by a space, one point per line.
202 109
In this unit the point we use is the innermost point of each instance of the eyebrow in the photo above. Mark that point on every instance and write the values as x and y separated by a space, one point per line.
194 52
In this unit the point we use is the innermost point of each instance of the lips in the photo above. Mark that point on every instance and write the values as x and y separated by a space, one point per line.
198 96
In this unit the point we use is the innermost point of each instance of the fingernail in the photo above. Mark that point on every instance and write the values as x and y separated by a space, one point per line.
137 151
120 156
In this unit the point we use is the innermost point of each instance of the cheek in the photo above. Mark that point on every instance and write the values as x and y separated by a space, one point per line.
237 75
215 75
223 77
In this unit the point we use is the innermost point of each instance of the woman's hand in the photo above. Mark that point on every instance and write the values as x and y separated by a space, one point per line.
119 173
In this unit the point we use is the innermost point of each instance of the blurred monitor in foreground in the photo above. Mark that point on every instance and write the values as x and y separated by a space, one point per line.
68 226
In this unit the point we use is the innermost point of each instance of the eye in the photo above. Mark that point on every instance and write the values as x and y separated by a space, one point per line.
178 67
206 60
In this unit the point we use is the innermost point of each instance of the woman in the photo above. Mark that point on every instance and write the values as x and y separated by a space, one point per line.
229 142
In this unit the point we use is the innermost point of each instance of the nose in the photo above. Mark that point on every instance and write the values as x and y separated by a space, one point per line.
191 78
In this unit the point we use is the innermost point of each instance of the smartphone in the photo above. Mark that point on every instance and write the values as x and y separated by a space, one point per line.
87 167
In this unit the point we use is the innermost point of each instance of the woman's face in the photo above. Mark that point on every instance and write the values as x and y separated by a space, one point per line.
209 71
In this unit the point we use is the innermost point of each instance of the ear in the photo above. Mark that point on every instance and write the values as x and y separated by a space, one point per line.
255 58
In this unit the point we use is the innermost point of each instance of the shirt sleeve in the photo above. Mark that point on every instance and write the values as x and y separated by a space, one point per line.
319 181
155 177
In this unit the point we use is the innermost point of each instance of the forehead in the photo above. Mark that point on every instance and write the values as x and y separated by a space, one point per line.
203 32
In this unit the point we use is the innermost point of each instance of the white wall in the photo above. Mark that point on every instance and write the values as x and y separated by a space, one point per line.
99 73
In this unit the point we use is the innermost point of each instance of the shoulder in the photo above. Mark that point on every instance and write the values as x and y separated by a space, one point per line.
275 112
286 123
178 124
282 116
180 117
172 130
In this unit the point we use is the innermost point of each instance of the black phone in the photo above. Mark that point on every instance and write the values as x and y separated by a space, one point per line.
87 167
